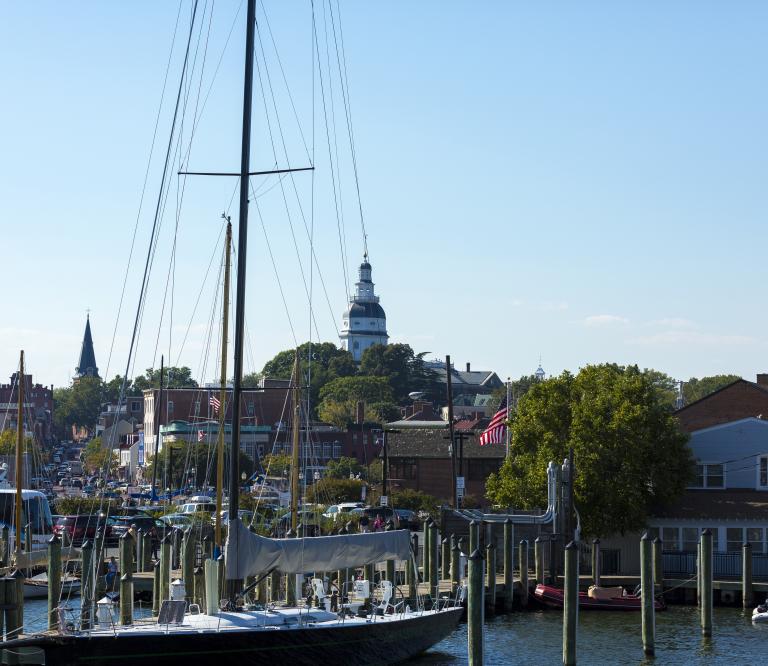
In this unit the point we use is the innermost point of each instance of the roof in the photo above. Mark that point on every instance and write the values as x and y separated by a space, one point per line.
731 504
479 424
484 378
367 309
404 423
722 388
87 363
433 443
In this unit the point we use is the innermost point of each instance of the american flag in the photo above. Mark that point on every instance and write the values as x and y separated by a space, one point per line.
200 435
496 431
214 402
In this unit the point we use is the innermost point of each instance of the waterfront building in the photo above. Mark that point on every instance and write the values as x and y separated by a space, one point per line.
364 322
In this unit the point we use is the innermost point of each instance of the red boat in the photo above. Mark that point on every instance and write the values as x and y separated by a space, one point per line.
598 598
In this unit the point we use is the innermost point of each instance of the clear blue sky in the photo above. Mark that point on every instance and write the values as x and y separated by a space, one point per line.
583 181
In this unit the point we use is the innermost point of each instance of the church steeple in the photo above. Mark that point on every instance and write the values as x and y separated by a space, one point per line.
87 365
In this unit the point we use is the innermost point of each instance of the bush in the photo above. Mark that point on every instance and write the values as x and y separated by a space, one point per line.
70 506
415 500
334 491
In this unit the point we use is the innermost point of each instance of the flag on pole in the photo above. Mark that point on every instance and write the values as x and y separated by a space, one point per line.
214 402
200 435
496 432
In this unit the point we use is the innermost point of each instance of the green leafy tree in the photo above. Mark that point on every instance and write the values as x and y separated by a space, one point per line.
173 377
696 389
343 468
77 405
275 463
415 500
517 389
333 491
8 442
405 371
319 364
630 455
111 390
96 456
339 398
251 380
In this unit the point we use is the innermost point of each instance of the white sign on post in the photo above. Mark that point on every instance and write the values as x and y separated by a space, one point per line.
460 483
383 500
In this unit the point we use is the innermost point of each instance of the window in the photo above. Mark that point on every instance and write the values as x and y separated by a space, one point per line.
709 475
479 470
404 468
326 450
734 539
670 538
170 406
135 405
763 481
336 450
250 409
755 537
690 539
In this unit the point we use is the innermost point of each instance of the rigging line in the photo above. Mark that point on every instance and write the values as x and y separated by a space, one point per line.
285 81
348 113
345 258
143 188
277 276
333 176
293 180
200 293
282 188
157 211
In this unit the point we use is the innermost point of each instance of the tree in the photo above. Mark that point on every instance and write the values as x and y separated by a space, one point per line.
517 389
8 442
630 455
77 405
275 463
251 380
696 389
415 500
111 392
405 371
173 377
319 364
343 468
339 398
334 491
97 457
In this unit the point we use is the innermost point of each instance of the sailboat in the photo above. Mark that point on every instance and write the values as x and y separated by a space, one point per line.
389 632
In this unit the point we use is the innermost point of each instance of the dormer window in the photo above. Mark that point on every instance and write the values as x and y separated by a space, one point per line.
709 475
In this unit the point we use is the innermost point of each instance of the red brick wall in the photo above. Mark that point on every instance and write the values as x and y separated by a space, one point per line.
434 477
738 401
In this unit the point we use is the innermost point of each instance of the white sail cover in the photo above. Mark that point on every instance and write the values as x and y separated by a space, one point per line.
248 554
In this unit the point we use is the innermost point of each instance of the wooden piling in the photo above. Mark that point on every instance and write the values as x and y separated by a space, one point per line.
490 578
54 581
166 553
434 548
647 596
747 595
211 586
455 566
445 559
698 572
198 576
658 565
706 582
156 585
126 579
474 536
6 547
425 550
509 564
14 600
571 604
538 561
188 555
475 608
523 559
87 584
139 551
146 552
596 561
412 569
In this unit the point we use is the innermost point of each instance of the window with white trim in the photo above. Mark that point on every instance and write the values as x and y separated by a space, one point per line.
763 469
709 475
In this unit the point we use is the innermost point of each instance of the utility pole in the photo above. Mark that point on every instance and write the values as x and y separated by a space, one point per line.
507 429
449 388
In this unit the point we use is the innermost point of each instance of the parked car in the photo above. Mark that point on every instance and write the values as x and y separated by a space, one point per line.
245 516
73 530
157 528
408 520
337 511
185 521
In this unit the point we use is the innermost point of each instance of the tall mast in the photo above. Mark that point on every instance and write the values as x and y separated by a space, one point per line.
295 447
19 447
223 390
158 411
242 254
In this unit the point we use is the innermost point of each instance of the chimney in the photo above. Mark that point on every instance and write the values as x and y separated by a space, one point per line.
762 380
467 366
360 412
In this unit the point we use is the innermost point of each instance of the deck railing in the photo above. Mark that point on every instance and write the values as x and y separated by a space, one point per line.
682 564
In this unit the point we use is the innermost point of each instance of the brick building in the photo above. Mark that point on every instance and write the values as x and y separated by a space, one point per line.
38 407
419 458
739 400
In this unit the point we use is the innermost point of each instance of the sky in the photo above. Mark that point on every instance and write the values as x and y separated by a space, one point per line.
580 182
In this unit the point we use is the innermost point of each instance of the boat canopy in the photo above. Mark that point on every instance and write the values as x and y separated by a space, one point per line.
248 554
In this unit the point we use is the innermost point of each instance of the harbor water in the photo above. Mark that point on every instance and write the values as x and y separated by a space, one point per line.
535 637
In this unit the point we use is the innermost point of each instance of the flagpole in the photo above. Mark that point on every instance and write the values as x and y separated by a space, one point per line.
508 413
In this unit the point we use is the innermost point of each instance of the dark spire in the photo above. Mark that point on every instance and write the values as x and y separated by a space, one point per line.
87 365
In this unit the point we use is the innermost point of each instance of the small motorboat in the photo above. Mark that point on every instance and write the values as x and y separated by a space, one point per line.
596 598
760 614
36 587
